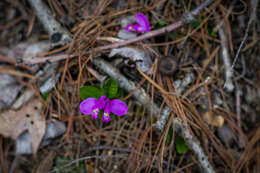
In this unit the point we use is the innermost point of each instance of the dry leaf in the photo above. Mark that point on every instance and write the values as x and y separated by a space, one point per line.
9 89
137 55
213 120
29 117
53 129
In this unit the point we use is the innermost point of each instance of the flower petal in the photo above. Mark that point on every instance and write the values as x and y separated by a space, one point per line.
118 107
101 102
137 28
86 106
129 28
142 21
94 113
106 118
140 29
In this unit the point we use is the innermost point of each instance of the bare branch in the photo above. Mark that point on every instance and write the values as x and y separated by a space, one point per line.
254 4
193 144
59 35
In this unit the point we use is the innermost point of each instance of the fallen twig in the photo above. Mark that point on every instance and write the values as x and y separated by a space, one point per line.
254 4
225 50
58 34
226 59
193 144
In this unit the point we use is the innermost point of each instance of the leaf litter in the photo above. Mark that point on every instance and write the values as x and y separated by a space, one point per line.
29 117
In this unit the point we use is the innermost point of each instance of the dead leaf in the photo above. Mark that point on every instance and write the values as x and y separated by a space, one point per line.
9 89
29 117
139 56
217 121
53 129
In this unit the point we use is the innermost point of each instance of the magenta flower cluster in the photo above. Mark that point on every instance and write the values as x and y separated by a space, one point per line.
142 25
93 106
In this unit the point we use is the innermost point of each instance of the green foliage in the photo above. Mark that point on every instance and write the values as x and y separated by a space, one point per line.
90 91
195 24
181 146
169 136
160 24
111 88
45 96
62 161
211 33
120 93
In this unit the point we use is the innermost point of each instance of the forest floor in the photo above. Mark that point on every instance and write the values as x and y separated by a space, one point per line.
190 80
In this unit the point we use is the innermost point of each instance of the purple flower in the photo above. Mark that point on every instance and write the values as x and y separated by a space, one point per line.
142 24
93 106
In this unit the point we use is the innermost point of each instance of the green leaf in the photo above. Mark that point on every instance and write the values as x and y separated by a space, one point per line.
169 136
45 96
90 91
195 24
160 24
120 93
211 33
111 88
113 116
181 146
192 7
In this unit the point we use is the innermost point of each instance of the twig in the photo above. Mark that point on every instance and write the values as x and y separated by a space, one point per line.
59 35
254 4
241 140
226 59
86 158
193 144
225 50
160 124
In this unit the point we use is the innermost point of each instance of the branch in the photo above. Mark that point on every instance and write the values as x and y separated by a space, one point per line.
193 144
226 59
254 4
58 34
